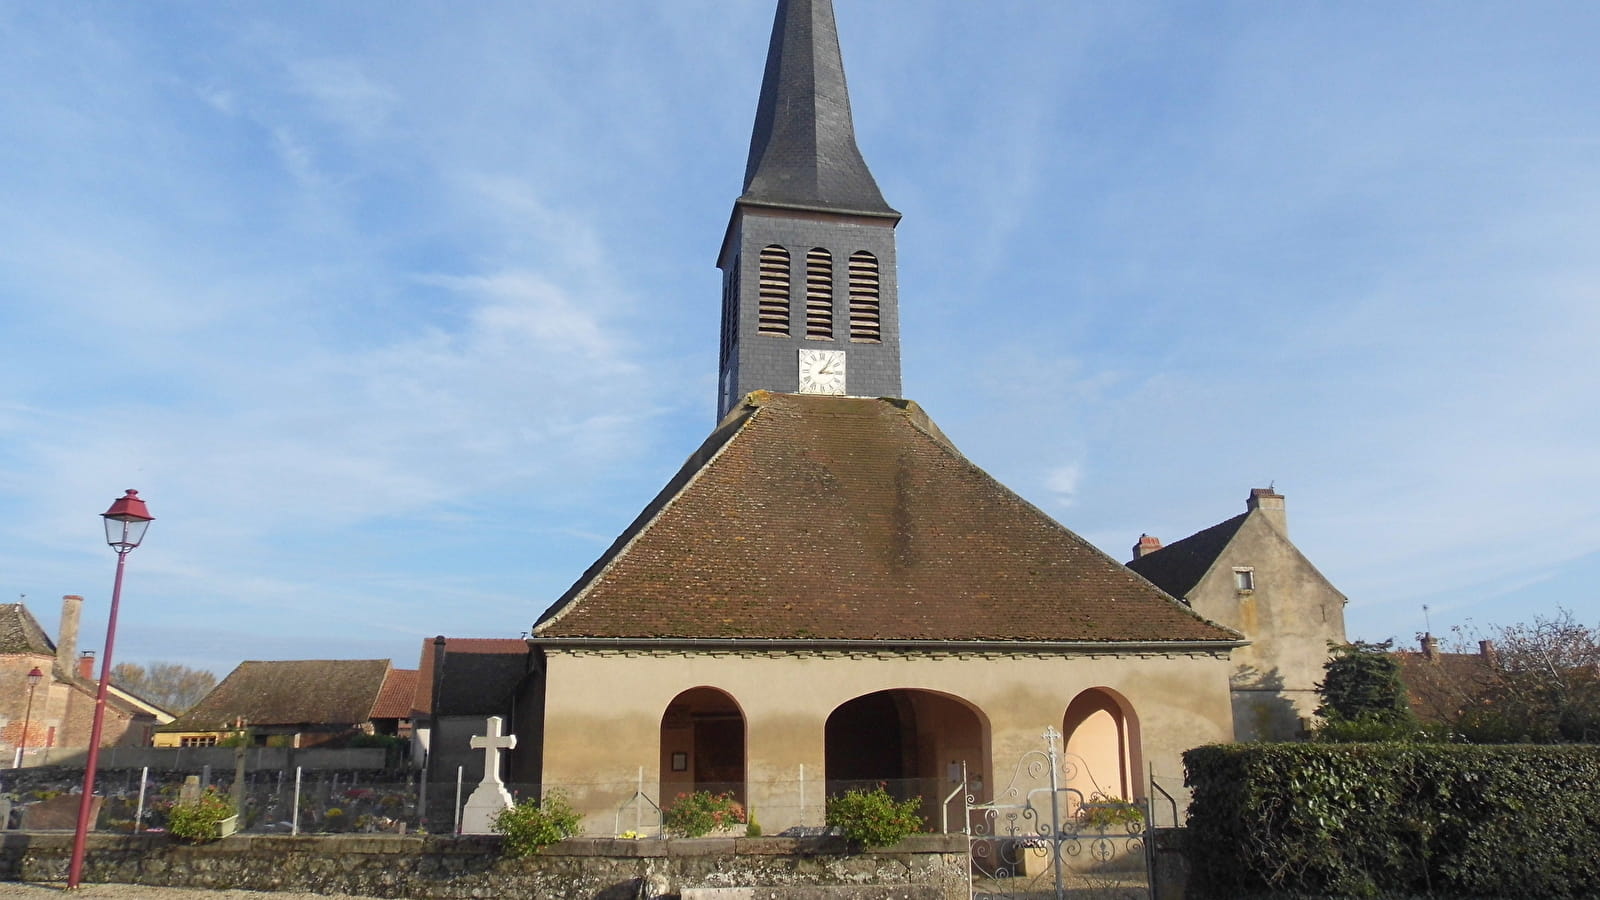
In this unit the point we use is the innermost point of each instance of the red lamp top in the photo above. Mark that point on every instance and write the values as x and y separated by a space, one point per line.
34 676
126 521
129 508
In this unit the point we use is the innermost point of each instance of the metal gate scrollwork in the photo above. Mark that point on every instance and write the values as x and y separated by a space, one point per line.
1038 833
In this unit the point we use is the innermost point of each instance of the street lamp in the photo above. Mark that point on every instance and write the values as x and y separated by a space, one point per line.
126 522
34 678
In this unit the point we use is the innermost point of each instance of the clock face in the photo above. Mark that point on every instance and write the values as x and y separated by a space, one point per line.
822 371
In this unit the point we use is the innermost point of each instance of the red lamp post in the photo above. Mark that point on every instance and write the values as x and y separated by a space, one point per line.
34 677
126 522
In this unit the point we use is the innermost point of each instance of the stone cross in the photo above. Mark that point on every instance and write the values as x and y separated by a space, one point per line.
491 744
490 796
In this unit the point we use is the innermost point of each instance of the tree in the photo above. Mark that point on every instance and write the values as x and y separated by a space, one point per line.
171 686
1363 697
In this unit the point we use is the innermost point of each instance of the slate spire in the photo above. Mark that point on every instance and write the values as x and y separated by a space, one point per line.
810 300
803 149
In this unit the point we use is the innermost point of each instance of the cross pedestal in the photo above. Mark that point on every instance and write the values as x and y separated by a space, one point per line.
490 796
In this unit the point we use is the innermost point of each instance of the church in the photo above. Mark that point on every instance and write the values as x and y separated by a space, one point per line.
828 594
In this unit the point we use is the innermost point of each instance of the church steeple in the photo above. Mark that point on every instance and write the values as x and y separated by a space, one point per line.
809 289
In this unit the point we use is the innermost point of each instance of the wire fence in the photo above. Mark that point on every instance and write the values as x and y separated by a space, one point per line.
296 801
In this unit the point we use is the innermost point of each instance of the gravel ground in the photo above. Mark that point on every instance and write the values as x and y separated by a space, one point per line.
58 891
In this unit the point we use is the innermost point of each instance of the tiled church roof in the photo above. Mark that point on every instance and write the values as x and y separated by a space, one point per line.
1179 566
832 518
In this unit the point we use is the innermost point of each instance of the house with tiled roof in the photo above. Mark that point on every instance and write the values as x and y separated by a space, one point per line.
460 682
303 702
41 721
1442 686
828 593
1245 573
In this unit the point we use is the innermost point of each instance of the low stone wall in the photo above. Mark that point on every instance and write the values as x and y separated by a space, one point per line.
431 867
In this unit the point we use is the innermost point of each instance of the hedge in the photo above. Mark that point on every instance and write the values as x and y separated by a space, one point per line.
1376 820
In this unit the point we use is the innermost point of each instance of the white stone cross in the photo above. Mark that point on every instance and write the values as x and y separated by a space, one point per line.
490 796
491 744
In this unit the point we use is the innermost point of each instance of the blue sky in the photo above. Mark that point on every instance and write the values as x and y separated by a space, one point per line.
397 314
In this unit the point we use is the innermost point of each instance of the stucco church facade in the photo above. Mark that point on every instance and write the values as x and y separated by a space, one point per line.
828 593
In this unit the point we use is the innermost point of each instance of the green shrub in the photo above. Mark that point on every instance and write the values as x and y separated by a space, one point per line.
1367 820
198 819
1363 683
700 813
873 818
532 825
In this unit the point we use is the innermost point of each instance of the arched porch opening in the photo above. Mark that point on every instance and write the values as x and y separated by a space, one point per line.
1102 746
703 744
912 741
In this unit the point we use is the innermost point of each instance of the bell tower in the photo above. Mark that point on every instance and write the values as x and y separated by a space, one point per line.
809 294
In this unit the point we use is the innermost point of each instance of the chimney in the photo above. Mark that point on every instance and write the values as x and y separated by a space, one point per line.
67 636
438 676
86 665
1430 647
1147 545
1270 502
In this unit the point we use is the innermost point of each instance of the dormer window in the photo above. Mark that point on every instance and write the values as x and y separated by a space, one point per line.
1244 579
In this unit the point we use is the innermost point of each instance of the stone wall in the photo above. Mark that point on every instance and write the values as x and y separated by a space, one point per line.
924 867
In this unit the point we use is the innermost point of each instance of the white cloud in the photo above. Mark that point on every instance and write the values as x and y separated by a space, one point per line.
1062 481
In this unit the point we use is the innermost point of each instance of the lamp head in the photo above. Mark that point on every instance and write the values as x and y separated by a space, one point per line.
126 522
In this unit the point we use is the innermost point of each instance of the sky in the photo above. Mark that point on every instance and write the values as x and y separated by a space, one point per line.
397 314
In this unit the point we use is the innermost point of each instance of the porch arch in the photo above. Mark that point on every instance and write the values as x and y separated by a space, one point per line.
703 739
911 740
1102 745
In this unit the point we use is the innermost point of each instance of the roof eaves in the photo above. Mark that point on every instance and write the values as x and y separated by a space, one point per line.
955 646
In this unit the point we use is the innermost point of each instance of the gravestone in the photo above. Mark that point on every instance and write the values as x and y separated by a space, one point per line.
59 813
490 796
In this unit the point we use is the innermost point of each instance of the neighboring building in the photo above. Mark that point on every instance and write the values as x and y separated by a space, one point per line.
305 703
1246 574
392 712
61 714
1441 686
460 682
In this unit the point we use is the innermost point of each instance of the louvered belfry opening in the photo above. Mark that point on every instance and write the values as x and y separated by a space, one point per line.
773 309
864 318
819 294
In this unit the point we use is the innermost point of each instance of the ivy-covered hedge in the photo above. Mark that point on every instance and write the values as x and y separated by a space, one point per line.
1375 820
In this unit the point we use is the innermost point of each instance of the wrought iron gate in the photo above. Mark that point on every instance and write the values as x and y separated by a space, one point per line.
1039 838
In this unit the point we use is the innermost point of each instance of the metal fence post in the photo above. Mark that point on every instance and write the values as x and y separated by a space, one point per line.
460 775
138 817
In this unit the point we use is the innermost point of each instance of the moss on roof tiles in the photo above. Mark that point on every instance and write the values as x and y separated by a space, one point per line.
832 518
